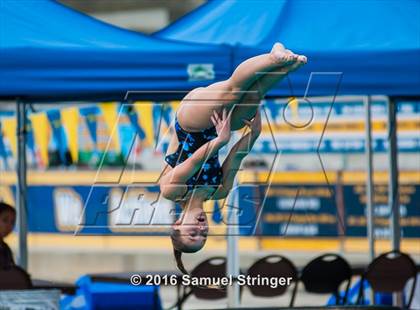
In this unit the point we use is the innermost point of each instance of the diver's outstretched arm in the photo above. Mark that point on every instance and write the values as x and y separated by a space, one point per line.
238 152
172 184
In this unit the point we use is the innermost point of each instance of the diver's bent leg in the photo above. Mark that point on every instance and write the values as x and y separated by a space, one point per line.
248 105
252 69
198 106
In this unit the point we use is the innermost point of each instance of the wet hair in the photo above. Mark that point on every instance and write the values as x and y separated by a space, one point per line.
179 248
179 263
4 207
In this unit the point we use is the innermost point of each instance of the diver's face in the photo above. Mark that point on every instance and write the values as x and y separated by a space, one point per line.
193 228
7 221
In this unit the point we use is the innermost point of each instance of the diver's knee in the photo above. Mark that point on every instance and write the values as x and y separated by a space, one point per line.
233 91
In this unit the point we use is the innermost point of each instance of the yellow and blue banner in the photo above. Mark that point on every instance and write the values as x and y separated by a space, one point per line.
70 121
41 133
3 152
135 121
145 120
90 116
292 126
9 130
54 117
110 117
310 125
30 141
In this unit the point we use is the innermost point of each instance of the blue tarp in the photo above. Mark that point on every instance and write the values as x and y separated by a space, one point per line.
48 51
93 294
354 47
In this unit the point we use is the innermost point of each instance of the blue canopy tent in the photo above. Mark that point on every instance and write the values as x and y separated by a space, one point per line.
49 52
373 45
360 47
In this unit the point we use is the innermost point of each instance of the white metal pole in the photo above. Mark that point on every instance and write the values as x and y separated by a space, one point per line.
232 246
369 178
22 224
393 190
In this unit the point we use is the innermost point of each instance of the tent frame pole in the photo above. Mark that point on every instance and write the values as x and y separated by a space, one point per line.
21 186
232 267
369 178
393 190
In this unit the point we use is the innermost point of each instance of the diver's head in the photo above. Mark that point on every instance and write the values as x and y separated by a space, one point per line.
189 232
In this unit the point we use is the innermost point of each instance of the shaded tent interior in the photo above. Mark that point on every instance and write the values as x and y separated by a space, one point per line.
42 60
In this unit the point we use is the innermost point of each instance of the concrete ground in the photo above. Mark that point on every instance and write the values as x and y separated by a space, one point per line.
67 267
168 298
58 258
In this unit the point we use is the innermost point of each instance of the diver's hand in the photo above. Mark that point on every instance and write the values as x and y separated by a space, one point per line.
222 124
254 125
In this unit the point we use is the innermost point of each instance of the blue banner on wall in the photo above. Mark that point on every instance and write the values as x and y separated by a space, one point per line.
311 210
317 124
98 210
287 210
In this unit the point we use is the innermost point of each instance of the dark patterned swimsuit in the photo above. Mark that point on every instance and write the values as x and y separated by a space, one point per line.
210 174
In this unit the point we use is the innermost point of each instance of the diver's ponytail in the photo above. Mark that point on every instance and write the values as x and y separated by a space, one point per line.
179 263
178 249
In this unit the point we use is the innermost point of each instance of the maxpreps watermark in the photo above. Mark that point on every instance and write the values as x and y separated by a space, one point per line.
273 282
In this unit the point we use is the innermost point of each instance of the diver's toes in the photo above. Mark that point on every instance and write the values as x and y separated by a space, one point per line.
280 56
302 58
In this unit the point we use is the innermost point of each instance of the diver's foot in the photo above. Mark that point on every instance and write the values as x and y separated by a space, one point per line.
277 47
282 56
300 61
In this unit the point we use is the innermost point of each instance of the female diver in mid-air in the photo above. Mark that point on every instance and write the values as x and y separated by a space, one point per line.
203 124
